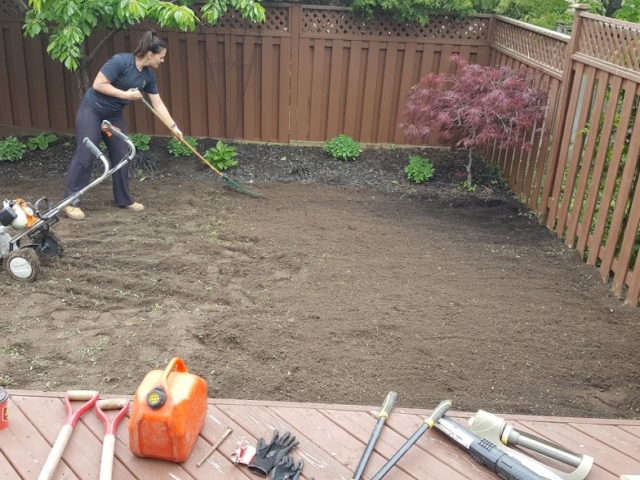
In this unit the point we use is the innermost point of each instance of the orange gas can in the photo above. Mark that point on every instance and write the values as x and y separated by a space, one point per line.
169 409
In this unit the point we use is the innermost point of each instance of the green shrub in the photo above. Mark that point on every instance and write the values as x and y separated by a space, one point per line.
419 169
42 141
11 149
140 141
178 149
221 156
343 147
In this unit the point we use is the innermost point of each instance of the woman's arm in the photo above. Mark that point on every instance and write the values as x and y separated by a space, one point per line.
103 85
159 106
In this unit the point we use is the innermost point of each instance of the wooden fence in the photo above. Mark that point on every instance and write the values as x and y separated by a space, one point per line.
307 74
582 175
312 72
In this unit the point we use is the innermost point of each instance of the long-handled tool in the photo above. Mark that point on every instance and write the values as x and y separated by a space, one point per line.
110 425
496 430
485 452
213 448
232 183
67 429
389 400
426 425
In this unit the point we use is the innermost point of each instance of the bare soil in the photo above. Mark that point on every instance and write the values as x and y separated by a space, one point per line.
343 282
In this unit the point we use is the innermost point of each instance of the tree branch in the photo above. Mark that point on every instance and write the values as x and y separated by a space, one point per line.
21 6
101 44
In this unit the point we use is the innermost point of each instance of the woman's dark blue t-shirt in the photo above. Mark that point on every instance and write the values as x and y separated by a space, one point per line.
122 73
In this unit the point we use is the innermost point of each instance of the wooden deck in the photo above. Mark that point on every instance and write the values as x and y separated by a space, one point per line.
332 438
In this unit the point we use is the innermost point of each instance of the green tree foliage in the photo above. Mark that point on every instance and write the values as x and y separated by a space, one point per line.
417 11
630 11
543 13
68 23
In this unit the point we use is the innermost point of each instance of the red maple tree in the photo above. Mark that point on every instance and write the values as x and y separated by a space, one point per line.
474 107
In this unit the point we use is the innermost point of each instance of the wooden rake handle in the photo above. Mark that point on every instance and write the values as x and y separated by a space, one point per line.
181 140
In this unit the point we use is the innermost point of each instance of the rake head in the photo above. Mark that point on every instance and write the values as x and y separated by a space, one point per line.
236 186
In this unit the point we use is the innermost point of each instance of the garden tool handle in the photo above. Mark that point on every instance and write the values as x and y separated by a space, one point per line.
109 441
181 140
109 129
56 453
91 146
388 405
382 416
428 423
91 397
106 462
67 429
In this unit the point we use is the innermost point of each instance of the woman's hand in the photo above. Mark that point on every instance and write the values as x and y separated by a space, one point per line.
178 133
134 94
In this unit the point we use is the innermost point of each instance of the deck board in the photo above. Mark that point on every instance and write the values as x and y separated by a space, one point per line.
332 438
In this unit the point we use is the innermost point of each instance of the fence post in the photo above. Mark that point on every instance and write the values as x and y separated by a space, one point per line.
295 25
555 168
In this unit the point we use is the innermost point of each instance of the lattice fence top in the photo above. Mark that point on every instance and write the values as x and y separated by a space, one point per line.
339 22
615 43
277 21
543 49
8 10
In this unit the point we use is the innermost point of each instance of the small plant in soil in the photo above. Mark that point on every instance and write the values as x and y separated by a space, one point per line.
140 141
41 141
465 186
343 147
178 149
419 169
475 107
11 149
221 156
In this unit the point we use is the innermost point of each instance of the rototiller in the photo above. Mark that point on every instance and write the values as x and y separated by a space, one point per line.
25 228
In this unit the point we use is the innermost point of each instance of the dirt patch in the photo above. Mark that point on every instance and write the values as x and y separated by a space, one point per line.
343 282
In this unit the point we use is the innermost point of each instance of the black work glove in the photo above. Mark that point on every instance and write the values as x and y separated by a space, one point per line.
287 469
267 456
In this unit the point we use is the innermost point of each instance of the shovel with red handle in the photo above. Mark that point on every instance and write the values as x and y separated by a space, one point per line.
67 429
110 425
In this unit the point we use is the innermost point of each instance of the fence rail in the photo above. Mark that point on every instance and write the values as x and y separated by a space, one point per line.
312 72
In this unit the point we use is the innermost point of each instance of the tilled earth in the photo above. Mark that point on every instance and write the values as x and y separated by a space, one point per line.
342 282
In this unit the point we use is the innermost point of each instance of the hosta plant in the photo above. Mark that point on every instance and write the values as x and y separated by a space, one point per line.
41 141
221 156
140 141
343 147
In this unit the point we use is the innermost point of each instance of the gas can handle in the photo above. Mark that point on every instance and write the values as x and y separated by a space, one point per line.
176 363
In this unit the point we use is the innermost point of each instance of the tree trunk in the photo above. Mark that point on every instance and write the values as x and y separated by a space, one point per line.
612 6
82 78
21 6
469 179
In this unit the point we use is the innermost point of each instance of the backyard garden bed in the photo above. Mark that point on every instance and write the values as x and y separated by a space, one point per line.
342 282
